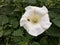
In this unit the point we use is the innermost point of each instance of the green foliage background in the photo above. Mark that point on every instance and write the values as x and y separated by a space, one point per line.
12 34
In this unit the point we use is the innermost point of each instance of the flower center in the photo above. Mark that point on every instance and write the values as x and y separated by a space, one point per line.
34 18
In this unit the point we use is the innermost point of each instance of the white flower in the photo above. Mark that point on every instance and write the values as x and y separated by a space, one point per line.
35 20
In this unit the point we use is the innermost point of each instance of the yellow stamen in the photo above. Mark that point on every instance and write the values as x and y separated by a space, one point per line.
34 18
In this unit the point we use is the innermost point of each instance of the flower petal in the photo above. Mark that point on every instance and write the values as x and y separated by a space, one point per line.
27 13
45 22
22 21
34 30
28 8
44 10
41 11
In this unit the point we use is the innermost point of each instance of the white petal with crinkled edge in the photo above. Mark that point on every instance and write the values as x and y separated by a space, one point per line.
24 17
40 10
22 21
45 22
34 30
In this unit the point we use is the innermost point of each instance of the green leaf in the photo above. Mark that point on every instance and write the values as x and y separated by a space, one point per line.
56 21
23 42
30 1
1 1
16 38
1 32
52 14
7 32
8 1
52 40
3 19
43 41
26 1
53 31
35 43
59 42
14 23
6 9
12 43
18 32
